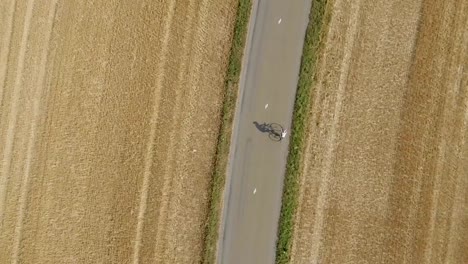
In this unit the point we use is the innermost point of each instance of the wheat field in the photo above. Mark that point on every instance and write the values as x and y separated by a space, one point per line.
109 119
385 172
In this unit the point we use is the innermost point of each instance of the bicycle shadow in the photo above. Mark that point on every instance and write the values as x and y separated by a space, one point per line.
274 130
264 128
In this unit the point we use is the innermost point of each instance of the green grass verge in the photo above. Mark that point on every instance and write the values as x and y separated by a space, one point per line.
307 77
222 151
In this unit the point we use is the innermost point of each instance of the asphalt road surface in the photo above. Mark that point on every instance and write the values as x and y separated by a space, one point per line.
257 163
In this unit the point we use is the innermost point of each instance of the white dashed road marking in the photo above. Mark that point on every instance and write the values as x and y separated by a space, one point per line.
266 106
279 21
255 190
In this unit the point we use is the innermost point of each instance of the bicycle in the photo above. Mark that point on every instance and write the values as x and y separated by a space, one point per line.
275 131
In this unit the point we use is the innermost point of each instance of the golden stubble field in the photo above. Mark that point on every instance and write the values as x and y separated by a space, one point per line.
109 123
385 175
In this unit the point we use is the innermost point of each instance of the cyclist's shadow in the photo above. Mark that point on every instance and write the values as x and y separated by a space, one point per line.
275 131
264 128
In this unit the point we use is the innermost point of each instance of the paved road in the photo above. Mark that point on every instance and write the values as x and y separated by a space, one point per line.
255 176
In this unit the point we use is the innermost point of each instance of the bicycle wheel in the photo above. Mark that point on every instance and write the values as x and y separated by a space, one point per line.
275 132
274 136
276 128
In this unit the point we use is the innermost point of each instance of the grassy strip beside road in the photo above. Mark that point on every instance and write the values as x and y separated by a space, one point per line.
307 78
222 151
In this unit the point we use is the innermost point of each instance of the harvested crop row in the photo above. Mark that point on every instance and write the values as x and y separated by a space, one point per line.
108 130
384 178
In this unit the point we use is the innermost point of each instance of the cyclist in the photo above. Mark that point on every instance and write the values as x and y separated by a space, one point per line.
283 134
